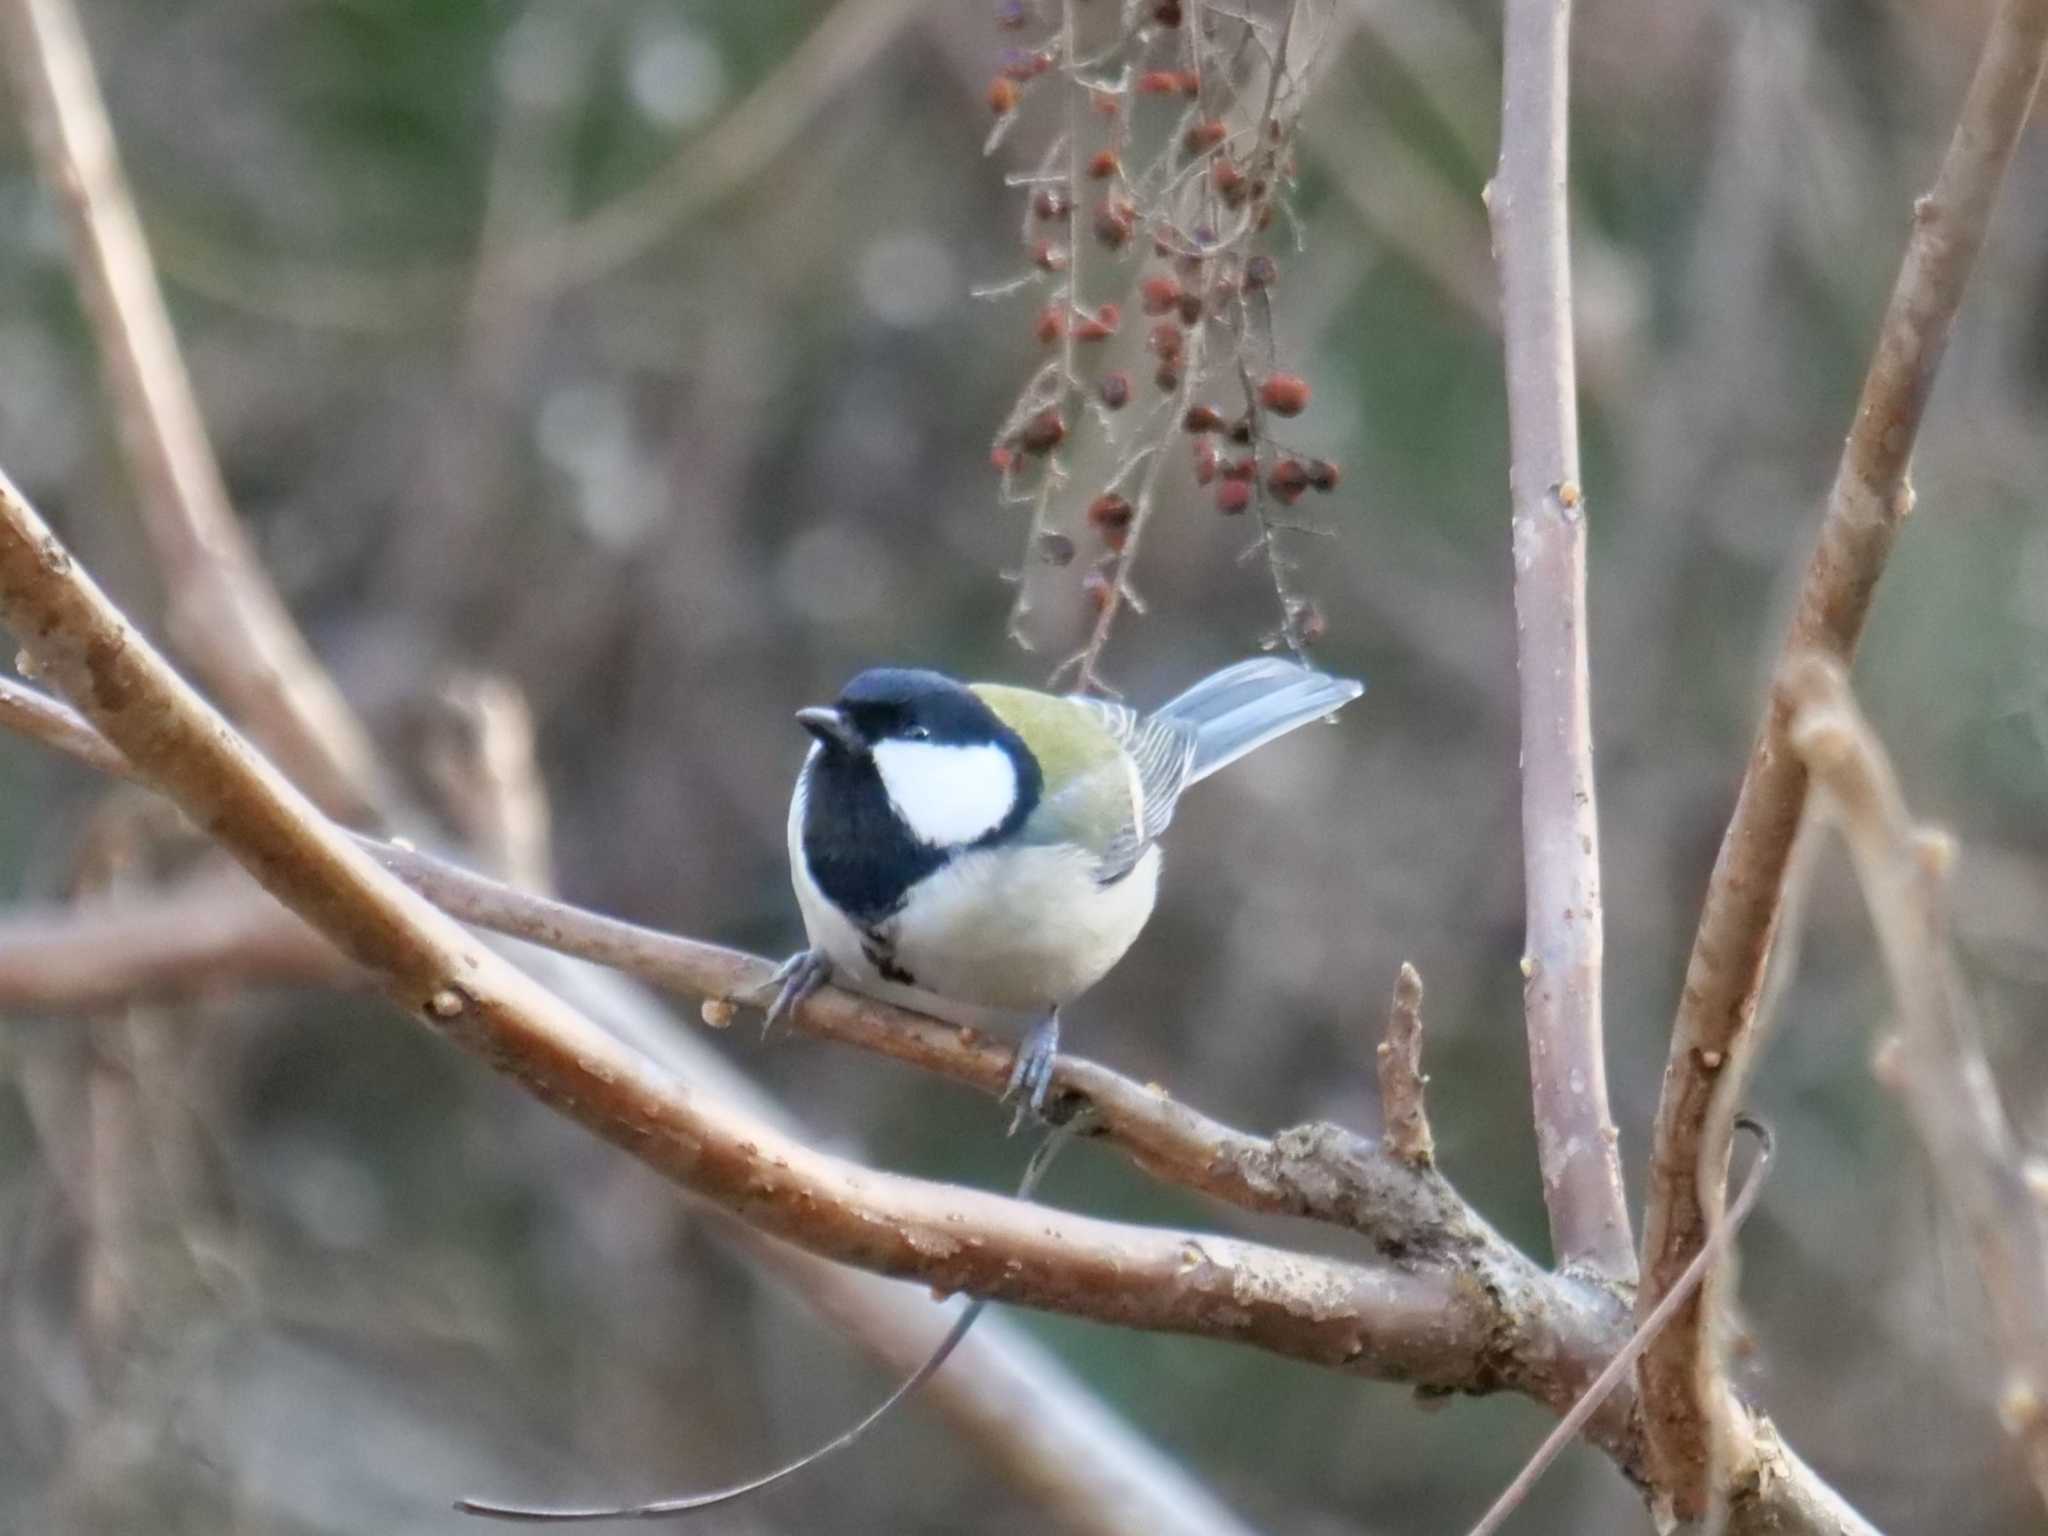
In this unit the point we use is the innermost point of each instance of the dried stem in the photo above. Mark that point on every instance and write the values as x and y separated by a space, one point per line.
1401 1077
1941 1073
1527 199
222 610
1686 1404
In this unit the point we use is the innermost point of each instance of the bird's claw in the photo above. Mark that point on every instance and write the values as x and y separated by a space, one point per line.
1031 1074
794 980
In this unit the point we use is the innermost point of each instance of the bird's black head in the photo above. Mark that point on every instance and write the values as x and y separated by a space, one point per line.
912 768
904 704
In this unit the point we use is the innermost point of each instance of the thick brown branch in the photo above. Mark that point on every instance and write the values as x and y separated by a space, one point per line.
1548 1335
1319 1172
223 612
1417 1322
1575 1137
1941 1070
1866 505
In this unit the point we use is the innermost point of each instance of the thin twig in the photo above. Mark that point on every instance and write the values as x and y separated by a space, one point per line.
223 612
1868 502
1561 966
1941 1071
1402 1110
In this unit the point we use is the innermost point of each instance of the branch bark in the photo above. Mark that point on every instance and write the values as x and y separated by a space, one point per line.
1548 1335
1403 1322
1528 203
1939 1068
223 612
1685 1400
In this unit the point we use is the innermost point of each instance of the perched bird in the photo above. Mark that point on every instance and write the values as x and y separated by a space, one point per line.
969 850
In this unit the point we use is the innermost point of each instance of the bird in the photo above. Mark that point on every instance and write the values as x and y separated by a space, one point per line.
977 851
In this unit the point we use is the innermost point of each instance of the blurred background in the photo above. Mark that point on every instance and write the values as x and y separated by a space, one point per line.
721 441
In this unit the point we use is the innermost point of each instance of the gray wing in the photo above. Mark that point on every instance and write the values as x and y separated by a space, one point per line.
1163 751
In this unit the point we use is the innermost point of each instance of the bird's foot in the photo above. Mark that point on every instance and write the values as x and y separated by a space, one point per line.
1031 1075
794 980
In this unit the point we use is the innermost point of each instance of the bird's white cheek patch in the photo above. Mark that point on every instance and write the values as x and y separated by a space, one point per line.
947 795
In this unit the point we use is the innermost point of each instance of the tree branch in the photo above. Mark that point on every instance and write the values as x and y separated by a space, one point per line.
222 610
1527 199
1684 1400
1548 1335
1940 1070
1406 1322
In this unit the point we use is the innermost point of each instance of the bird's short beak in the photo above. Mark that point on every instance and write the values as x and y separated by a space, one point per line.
832 728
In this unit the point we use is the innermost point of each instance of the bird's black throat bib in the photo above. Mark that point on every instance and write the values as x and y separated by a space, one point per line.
859 851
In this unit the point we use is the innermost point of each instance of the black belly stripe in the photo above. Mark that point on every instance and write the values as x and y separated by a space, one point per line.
880 951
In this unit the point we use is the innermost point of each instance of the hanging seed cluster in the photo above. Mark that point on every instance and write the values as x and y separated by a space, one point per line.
1159 198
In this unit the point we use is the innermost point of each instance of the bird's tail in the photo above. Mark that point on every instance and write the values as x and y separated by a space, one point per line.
1243 707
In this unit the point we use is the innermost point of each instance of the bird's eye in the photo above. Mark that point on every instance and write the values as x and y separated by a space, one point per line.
918 733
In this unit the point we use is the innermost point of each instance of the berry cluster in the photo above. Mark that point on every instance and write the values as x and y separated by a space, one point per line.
1160 188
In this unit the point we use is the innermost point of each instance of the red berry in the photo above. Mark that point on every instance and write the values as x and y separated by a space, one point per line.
1021 66
1110 515
1051 203
1165 341
1104 164
1002 96
1228 181
1160 294
1097 588
1233 496
1205 461
1305 621
1190 308
1158 82
1284 394
1245 468
1043 432
1167 13
1099 326
1048 257
1051 324
1204 136
1287 479
1114 221
1115 390
1000 459
1202 418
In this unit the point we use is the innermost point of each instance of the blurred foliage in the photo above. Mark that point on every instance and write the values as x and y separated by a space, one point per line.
676 499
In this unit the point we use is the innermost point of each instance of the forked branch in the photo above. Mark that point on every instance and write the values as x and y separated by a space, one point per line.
1685 1404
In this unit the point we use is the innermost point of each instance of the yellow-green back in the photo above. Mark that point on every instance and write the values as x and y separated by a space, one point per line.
1089 791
